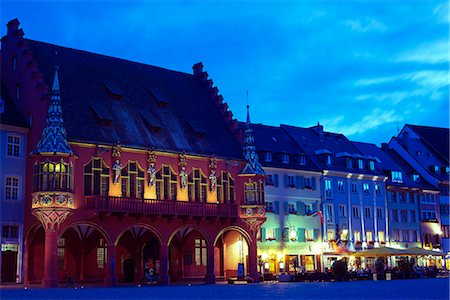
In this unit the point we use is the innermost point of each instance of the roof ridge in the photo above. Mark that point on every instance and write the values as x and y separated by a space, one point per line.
109 56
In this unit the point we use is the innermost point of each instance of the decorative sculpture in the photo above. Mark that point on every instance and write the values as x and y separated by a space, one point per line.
212 176
151 168
116 153
183 173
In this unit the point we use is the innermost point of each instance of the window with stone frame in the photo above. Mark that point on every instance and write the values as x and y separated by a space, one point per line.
166 183
96 178
12 188
13 146
102 249
60 253
53 176
225 188
10 232
340 186
197 186
200 252
366 188
132 180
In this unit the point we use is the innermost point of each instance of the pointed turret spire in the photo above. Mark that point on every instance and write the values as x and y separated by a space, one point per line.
253 166
53 139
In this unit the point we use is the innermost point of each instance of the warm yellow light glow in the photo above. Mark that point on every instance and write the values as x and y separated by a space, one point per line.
264 256
349 175
280 256
345 231
293 234
360 176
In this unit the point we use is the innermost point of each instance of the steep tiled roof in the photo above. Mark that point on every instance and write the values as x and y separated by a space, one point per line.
391 161
277 141
109 100
314 141
10 115
436 137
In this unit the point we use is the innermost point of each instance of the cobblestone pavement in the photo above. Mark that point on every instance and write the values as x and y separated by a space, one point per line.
396 289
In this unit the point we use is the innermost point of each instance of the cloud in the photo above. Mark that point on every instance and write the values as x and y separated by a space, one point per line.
376 118
430 53
365 25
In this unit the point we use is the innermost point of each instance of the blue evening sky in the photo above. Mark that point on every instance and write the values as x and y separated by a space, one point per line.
361 68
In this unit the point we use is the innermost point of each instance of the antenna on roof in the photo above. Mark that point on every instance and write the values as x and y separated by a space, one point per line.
247 97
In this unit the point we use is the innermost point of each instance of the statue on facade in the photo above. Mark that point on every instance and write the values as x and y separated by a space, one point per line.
117 168
116 153
212 176
183 177
213 179
183 173
151 168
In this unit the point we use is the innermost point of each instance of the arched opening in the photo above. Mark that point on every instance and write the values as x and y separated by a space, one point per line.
188 254
138 251
35 244
231 252
82 254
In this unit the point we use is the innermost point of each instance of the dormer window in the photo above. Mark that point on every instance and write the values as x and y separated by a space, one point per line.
360 164
285 158
396 176
416 178
447 170
371 165
268 156
349 163
436 169
302 159
329 160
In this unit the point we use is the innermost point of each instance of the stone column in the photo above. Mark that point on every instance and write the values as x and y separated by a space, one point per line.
50 259
111 277
210 276
164 264
253 260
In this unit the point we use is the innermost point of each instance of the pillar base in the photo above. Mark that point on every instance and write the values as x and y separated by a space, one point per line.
111 281
255 277
164 280
49 282
210 279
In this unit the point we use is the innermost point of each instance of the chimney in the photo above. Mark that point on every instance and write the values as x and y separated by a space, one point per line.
198 69
319 129
13 26
384 146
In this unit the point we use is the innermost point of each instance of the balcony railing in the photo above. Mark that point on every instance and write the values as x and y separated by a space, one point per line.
160 207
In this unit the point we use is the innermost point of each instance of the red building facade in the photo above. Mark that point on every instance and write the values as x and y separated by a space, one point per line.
131 167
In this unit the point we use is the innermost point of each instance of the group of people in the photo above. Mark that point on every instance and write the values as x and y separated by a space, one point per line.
149 273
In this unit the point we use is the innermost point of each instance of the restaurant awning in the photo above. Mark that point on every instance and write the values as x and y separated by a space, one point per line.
382 251
416 251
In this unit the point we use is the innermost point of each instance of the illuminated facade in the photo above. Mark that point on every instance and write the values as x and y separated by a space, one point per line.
134 167
353 195
291 238
13 144
426 149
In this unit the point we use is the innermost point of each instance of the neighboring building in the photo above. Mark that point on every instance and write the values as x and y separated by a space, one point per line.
131 166
404 190
13 147
291 237
426 149
353 192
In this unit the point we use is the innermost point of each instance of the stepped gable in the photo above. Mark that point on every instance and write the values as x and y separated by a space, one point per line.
108 100
436 137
